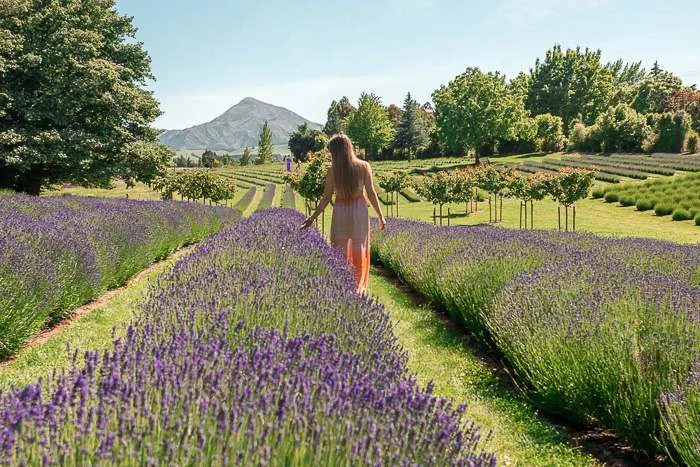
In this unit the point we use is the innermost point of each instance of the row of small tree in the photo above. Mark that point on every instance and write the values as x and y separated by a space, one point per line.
195 185
461 186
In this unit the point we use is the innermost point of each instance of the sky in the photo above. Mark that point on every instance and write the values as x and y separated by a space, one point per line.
207 55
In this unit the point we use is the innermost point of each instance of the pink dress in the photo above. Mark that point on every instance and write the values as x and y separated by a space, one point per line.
350 234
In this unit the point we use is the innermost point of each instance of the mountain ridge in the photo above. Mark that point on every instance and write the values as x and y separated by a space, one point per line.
237 127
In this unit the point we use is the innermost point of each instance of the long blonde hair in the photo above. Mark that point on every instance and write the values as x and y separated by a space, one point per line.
347 168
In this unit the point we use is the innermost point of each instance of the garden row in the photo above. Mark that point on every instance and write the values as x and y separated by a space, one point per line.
229 362
598 330
678 197
57 253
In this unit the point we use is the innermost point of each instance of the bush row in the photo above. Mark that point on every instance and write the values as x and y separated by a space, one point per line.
244 203
596 329
228 361
57 253
267 197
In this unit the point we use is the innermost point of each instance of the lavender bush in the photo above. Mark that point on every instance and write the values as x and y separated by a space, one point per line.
253 350
596 328
59 252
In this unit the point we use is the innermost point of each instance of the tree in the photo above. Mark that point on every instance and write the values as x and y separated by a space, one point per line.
338 114
73 107
475 109
569 186
394 113
529 189
394 184
309 180
436 189
550 133
305 140
264 145
463 186
246 156
208 159
672 129
411 135
495 182
571 84
655 90
687 99
369 126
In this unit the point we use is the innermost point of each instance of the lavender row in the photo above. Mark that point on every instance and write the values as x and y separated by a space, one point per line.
252 350
56 253
601 330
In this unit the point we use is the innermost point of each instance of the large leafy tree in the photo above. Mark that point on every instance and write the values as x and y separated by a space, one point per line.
265 145
73 107
476 109
338 114
411 134
571 84
305 140
369 126
654 91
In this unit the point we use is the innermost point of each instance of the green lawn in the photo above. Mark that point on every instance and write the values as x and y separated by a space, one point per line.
438 352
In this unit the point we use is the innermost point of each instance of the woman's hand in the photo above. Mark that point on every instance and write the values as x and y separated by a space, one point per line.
307 223
382 223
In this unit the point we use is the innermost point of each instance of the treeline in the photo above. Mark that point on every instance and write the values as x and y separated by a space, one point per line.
570 99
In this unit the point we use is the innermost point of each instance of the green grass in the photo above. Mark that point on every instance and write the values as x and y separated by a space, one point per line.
438 352
93 331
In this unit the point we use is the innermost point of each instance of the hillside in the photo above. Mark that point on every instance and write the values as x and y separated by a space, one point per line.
237 128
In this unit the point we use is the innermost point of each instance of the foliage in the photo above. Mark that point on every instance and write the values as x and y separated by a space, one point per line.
672 129
73 107
261 321
571 185
692 144
246 156
369 126
209 159
655 90
195 185
436 189
570 84
338 114
309 180
305 140
395 182
686 99
264 145
394 113
476 109
60 252
550 133
595 328
411 135
621 129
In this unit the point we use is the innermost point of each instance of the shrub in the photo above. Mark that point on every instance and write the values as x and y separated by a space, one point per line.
612 197
550 132
692 144
663 209
681 214
627 200
672 128
598 193
644 204
697 219
621 128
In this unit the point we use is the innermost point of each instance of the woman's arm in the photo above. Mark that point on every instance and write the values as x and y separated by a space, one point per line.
327 195
372 195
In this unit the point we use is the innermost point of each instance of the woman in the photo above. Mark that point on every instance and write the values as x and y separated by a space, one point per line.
349 178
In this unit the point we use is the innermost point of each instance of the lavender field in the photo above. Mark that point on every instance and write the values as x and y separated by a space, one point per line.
254 349
57 253
600 330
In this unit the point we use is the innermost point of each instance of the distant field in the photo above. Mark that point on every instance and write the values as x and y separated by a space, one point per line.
282 149
593 215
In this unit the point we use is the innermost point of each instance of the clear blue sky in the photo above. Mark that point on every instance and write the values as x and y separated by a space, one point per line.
209 54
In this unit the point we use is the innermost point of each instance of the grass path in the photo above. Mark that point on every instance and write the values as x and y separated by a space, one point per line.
439 352
93 330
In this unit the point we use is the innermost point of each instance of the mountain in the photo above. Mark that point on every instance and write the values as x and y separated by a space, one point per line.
237 128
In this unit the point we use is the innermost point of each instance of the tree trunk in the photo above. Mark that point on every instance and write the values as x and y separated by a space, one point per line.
397 204
574 219
434 221
477 160
566 218
559 217
532 214
441 215
489 207
501 214
448 217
